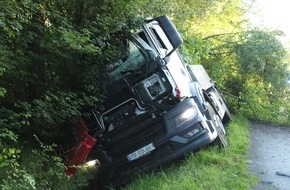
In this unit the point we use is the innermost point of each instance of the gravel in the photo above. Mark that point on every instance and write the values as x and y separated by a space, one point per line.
269 156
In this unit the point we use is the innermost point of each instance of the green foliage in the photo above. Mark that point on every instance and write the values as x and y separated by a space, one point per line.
43 170
250 66
47 169
17 179
9 155
78 181
258 104
263 54
38 97
2 90
262 72
195 49
39 168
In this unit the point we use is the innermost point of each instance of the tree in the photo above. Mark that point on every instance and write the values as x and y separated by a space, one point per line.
263 54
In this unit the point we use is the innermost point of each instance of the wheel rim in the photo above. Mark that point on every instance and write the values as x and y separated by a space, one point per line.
219 124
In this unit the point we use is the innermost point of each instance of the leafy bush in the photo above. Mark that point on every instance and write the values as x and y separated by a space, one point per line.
41 169
257 102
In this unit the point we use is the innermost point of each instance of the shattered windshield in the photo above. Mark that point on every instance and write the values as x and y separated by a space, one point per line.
133 61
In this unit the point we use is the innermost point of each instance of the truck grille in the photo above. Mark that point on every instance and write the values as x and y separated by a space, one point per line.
148 131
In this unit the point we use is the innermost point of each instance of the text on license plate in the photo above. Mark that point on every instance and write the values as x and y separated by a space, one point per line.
141 152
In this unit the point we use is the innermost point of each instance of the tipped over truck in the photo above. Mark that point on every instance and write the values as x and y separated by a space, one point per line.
157 109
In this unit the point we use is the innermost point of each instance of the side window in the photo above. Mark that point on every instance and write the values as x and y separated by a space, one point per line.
142 35
158 39
162 41
154 36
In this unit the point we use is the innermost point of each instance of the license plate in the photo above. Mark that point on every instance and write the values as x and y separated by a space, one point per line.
141 152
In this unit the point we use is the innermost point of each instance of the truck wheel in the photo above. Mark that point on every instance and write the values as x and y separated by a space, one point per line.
227 117
221 139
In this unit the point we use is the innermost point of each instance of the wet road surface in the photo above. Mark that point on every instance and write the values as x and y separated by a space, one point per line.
269 156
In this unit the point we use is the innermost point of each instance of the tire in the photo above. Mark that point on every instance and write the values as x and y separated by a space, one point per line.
227 116
221 139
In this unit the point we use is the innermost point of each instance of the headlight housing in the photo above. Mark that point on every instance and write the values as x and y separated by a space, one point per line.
185 116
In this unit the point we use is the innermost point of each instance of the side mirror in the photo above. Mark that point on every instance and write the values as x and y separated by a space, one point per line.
170 31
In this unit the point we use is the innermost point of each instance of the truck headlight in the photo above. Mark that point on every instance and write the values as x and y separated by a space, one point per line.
185 116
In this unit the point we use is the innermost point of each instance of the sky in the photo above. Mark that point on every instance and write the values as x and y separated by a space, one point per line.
274 14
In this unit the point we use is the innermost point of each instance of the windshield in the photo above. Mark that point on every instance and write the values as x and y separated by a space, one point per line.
132 62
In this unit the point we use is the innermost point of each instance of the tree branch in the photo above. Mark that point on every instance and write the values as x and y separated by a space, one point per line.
216 35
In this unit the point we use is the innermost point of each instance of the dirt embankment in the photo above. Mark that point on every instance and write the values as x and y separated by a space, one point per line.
269 156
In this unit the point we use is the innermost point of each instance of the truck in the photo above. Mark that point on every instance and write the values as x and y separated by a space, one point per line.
157 109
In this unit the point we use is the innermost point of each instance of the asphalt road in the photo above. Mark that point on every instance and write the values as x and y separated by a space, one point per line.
269 156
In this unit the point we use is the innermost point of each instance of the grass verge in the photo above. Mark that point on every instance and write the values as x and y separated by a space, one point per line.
210 168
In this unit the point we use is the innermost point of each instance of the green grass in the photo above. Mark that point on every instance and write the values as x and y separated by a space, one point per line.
210 168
